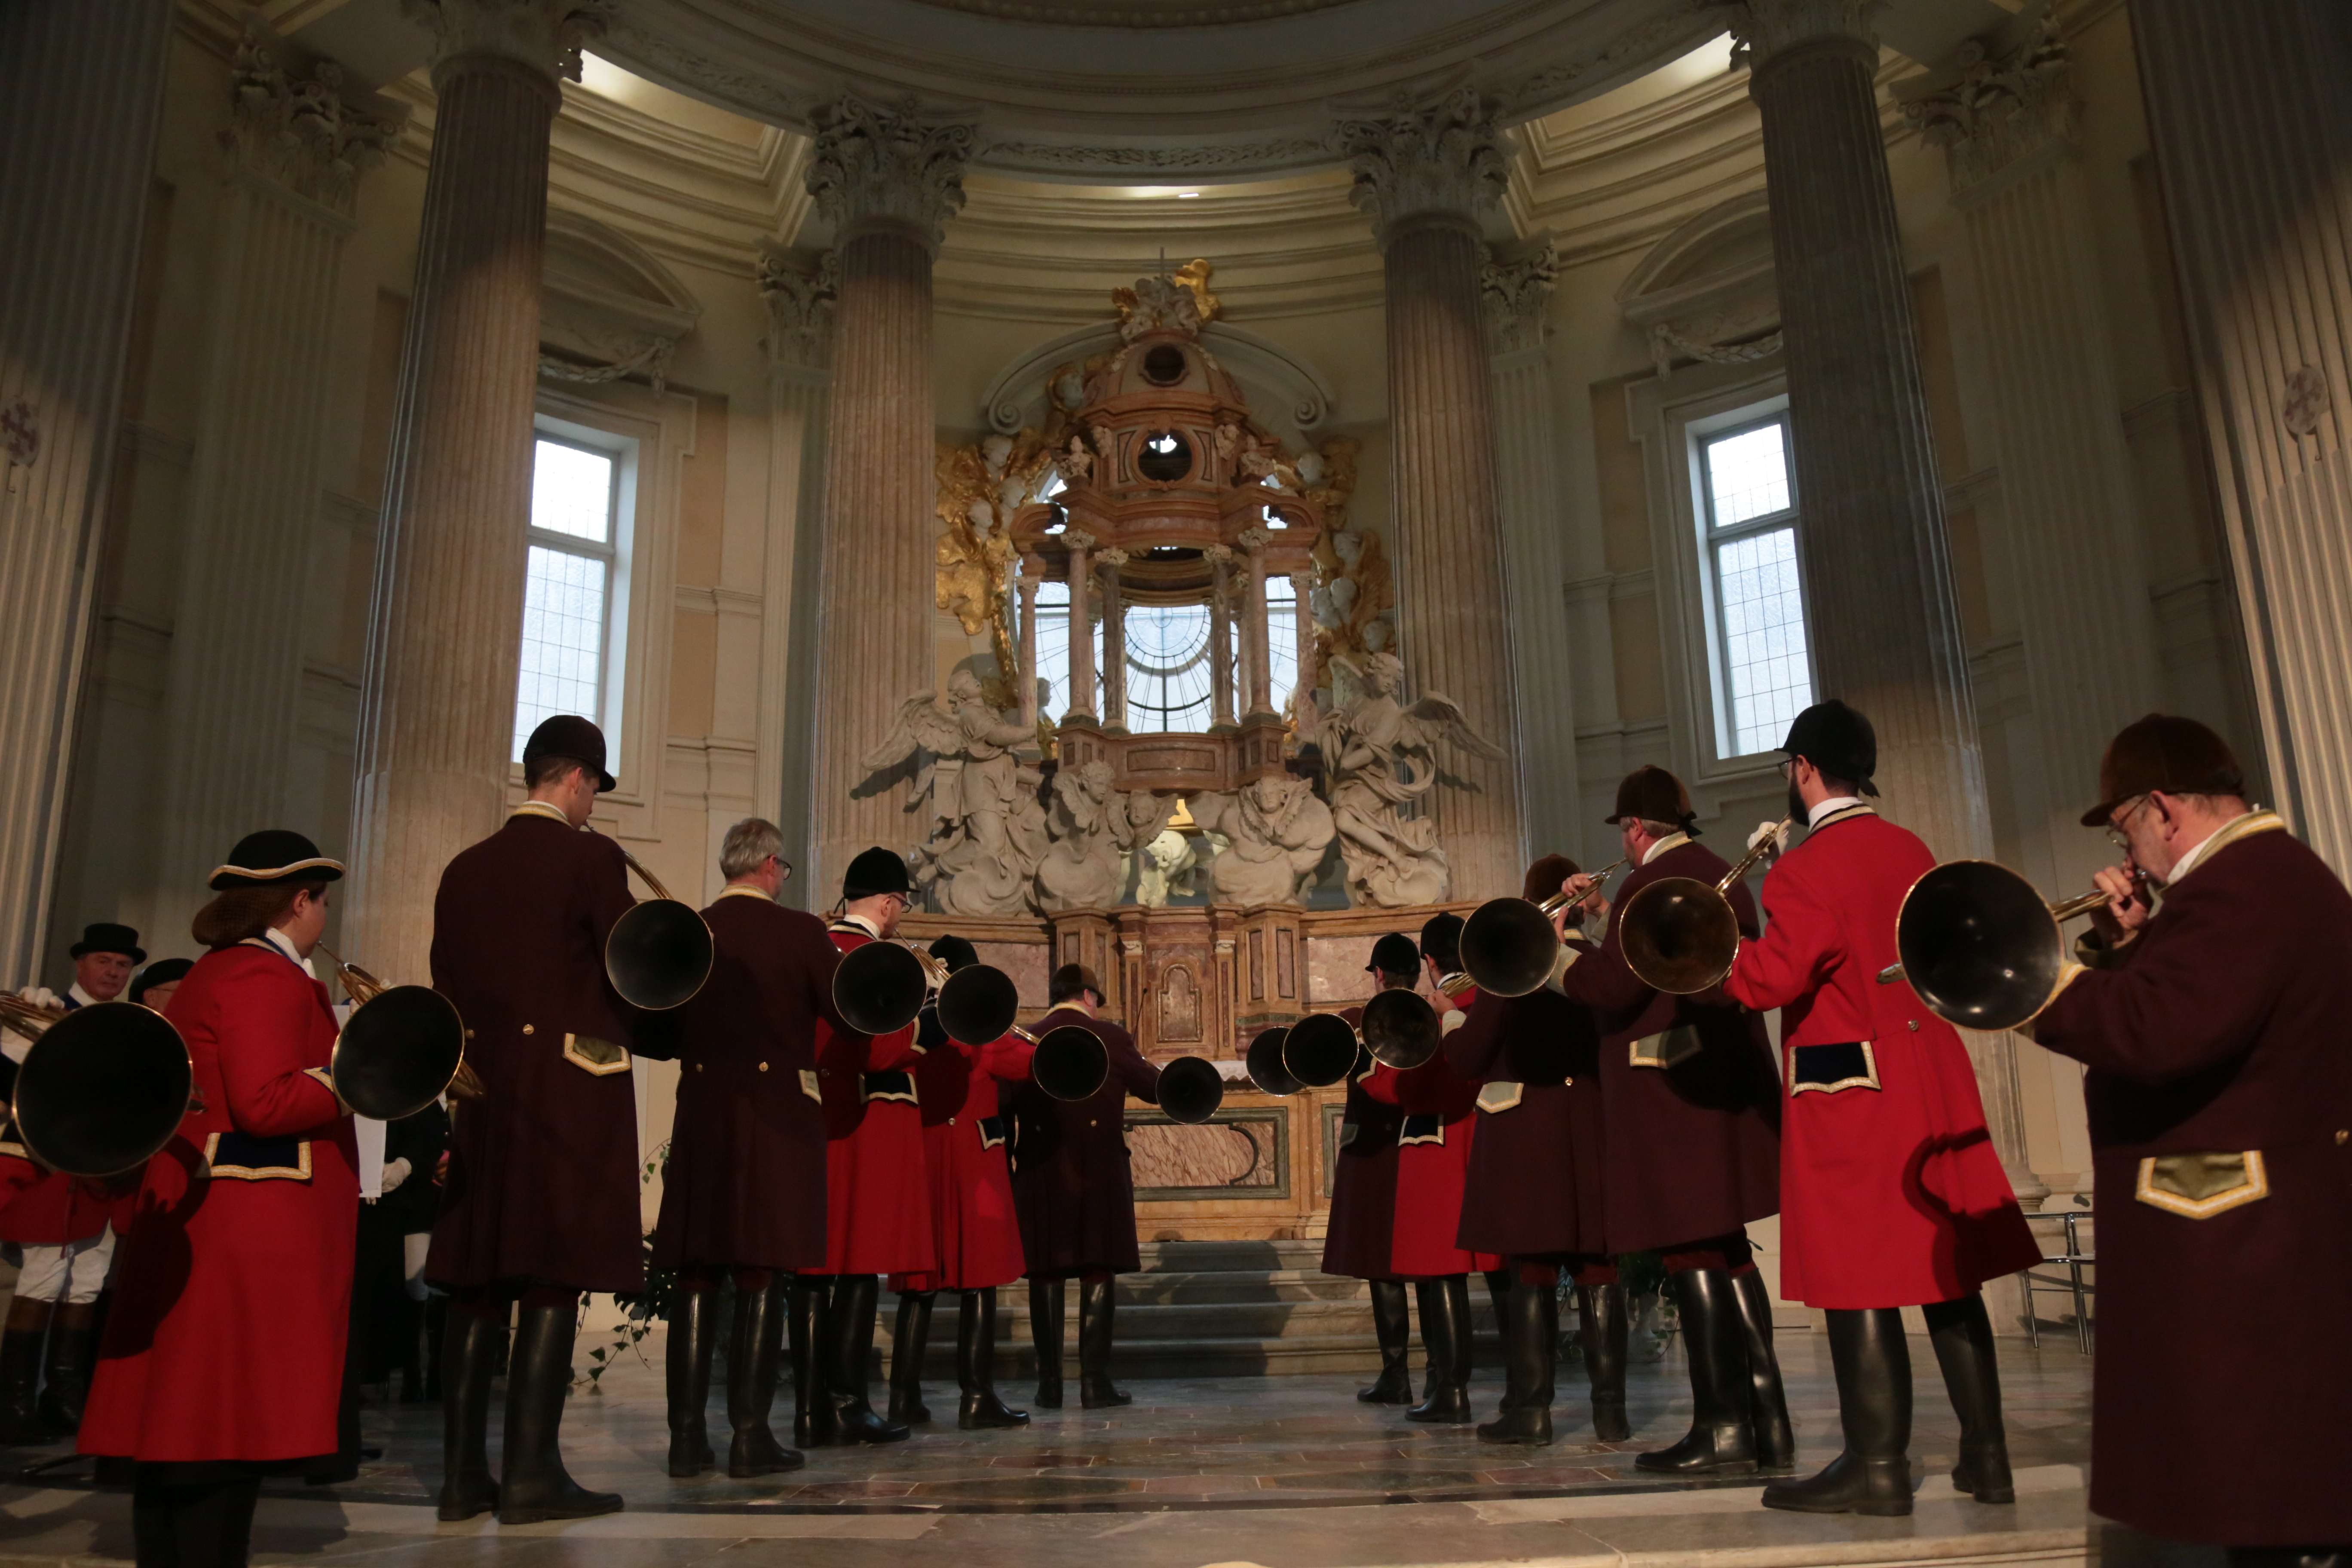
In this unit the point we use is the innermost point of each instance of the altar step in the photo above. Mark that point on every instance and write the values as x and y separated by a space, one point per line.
1210 1308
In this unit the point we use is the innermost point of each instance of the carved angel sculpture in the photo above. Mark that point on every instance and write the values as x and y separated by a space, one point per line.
1085 866
971 787
1278 832
1380 756
1076 465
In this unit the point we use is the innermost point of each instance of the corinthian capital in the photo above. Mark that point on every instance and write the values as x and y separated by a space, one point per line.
1997 103
799 290
1771 28
1441 161
876 167
546 35
299 128
1516 289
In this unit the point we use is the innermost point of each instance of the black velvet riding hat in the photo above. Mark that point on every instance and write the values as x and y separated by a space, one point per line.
1650 794
954 951
272 855
875 872
1440 939
1544 878
105 936
162 972
569 735
1837 740
1394 954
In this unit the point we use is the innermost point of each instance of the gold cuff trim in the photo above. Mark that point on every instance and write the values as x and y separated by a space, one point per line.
1453 1019
2199 1186
1496 1098
600 1058
298 1172
1666 1049
1569 954
2069 972
809 1085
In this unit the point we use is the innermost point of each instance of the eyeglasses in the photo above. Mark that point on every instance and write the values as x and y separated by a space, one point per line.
2116 833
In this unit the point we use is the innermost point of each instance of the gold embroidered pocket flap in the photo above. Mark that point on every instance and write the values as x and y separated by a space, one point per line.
1495 1097
809 1085
1829 1069
242 1157
1666 1049
591 1055
2199 1186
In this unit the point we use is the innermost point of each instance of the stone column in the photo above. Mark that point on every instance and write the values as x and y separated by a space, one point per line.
1082 627
887 180
1302 583
1254 638
445 630
1425 176
1518 288
1114 614
799 290
2005 117
233 694
1027 675
82 91
1884 626
2252 131
1221 635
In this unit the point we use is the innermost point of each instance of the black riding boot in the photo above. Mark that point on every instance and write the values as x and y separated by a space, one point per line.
176 1523
976 1366
533 1484
1392 1326
850 1355
1767 1402
1046 1310
753 1351
907 1343
811 1411
471 1347
1096 1300
72 1330
1721 1441
1603 1333
1498 1294
689 1364
1530 1346
20 1375
1873 1383
437 1343
1446 1330
1962 1336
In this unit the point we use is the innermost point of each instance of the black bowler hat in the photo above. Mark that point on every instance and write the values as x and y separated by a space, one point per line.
1837 740
875 872
1394 954
1650 794
105 936
954 951
162 972
2163 752
570 736
272 855
1440 939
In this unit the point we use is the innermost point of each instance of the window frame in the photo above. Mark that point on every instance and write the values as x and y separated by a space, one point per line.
1701 433
616 677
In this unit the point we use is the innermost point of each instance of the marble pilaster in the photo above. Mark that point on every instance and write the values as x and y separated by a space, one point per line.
1425 175
81 91
1081 626
2252 129
1114 620
445 630
1221 635
1254 630
1302 587
887 180
798 290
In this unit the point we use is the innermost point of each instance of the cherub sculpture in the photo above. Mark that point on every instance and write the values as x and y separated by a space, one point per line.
1381 756
1278 832
1085 866
978 850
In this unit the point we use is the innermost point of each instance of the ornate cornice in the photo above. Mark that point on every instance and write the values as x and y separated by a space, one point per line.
543 36
799 290
1991 110
1765 29
1272 155
1441 160
874 167
1679 23
303 133
1516 291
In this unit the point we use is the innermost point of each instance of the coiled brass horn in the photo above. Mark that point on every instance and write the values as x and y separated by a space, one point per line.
1263 1061
1507 944
880 987
402 1047
659 953
1679 934
1190 1090
1402 1030
102 1089
1321 1049
1070 1063
1979 945
977 1004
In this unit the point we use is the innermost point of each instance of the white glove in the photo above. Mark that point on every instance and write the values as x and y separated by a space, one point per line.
38 996
394 1173
1776 831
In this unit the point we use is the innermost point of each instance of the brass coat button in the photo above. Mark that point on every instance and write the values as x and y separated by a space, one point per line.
1915 1026
2343 1136
469 1033
763 1066
526 1028
1092 1123
698 1067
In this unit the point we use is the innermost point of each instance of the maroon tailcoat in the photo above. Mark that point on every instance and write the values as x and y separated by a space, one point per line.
1070 1177
2220 1031
745 1185
543 1181
1363 1229
1535 1187
1694 1149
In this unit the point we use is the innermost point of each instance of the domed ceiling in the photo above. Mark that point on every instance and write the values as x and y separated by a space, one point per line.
1138 90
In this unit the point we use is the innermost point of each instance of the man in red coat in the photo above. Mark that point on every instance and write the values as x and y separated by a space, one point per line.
743 1193
540 1201
877 1189
1692 1114
1075 1195
2221 1100
1891 1193
61 1225
1359 1237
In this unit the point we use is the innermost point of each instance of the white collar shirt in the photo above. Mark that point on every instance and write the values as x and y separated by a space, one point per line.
1831 807
1671 841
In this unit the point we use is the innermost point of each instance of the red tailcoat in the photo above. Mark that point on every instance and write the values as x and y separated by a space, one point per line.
1694 1149
746 1181
1360 1235
17 1170
233 1285
1439 1110
543 1180
967 1143
1535 1187
53 1209
1070 1178
2220 1031
878 1187
1891 1192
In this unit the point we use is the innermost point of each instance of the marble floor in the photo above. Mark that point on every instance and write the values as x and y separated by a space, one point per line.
1272 1470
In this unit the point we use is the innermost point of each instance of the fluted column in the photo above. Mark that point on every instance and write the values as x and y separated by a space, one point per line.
297 146
2252 131
1425 176
81 89
888 180
1884 626
2005 118
1254 638
799 290
1027 675
445 631
1221 635
1082 628
1517 289
1114 614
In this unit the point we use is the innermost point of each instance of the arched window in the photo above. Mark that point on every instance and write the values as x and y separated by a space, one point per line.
1168 669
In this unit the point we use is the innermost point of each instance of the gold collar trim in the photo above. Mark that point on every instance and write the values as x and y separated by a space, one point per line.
2230 832
735 892
1843 813
539 808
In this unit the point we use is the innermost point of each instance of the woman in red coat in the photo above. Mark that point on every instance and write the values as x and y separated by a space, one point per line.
223 1355
973 1223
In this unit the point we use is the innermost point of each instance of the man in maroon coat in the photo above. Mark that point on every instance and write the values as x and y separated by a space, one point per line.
540 1203
745 1189
2221 1100
1361 1232
1076 1194
1691 1111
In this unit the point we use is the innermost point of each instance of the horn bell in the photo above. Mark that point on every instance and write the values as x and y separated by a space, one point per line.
1070 1063
398 1052
879 988
103 1091
1979 945
1509 947
1678 935
1402 1030
658 954
1190 1090
1321 1049
1263 1060
978 1004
